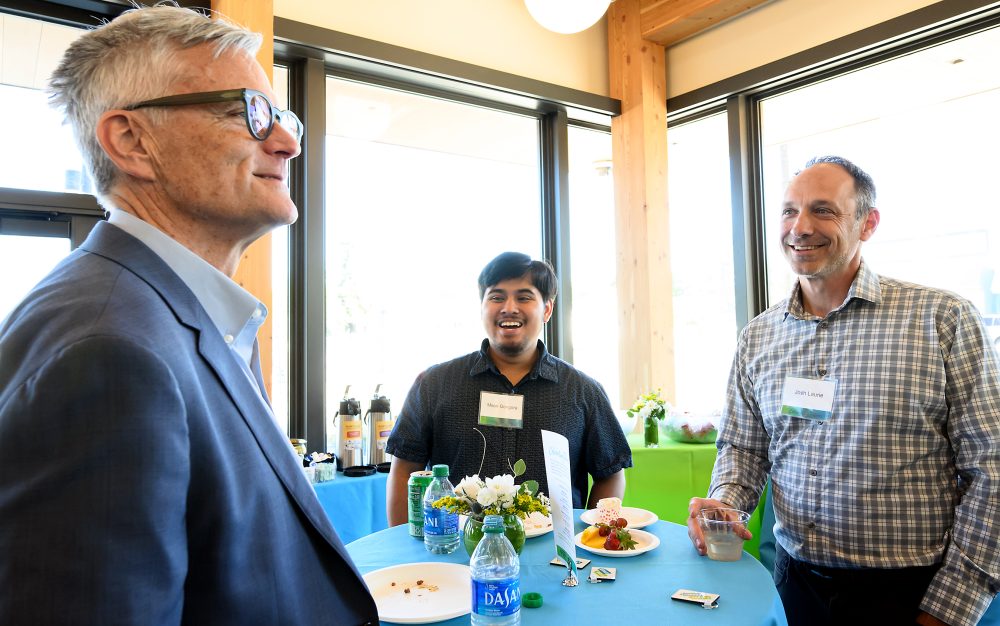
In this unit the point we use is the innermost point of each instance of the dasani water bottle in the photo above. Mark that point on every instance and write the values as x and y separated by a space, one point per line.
496 578
440 526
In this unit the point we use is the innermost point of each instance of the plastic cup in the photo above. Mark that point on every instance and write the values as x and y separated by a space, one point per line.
722 529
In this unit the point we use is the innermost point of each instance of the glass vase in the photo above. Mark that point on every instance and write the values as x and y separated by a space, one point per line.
472 533
651 432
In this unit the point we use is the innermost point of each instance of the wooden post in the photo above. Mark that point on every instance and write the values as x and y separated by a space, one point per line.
639 152
254 273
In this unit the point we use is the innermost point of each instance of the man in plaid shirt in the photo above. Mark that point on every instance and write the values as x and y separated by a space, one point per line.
874 405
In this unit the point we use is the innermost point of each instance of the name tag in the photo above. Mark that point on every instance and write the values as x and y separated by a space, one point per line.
808 398
501 409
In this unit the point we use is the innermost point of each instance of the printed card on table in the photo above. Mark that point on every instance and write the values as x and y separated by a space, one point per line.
556 449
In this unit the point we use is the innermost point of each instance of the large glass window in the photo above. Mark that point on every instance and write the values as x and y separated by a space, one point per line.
420 194
701 262
34 257
924 127
40 152
593 259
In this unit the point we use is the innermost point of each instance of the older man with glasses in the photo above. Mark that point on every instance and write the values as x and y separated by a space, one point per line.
143 479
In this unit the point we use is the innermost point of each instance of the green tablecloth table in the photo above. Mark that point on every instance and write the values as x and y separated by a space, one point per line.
664 479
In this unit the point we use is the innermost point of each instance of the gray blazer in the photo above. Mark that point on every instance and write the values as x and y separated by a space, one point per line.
142 480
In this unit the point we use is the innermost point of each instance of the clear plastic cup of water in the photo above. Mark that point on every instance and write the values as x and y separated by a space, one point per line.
724 531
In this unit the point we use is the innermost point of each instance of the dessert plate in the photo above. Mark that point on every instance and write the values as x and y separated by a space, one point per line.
644 542
536 525
420 593
636 518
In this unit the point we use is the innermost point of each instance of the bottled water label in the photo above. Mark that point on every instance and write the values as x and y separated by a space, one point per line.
439 523
496 598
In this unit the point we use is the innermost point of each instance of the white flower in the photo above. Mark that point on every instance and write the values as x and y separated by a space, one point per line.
646 411
487 496
505 488
469 486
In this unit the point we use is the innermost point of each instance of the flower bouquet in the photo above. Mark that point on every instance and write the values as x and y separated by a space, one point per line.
650 407
476 498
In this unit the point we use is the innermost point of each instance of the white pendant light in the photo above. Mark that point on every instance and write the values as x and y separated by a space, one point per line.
567 16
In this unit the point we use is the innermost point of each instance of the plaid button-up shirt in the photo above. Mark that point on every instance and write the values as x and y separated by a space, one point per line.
906 472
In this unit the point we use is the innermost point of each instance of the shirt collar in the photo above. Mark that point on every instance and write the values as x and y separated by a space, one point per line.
544 367
865 286
234 311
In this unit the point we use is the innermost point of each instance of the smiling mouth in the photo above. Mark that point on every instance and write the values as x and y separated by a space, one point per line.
803 248
510 324
271 177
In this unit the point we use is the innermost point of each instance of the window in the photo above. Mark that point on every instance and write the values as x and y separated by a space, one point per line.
46 157
929 151
701 262
593 260
34 257
420 194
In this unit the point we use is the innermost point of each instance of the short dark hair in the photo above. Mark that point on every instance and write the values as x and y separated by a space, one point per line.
864 186
509 265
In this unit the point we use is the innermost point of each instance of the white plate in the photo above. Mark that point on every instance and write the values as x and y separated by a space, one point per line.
536 525
443 594
644 542
636 518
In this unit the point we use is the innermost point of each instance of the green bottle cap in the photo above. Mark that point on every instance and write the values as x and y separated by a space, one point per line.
531 600
440 471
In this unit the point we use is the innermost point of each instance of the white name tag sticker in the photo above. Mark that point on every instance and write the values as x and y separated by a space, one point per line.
808 398
501 409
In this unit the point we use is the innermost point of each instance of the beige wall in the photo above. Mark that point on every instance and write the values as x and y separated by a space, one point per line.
498 34
771 32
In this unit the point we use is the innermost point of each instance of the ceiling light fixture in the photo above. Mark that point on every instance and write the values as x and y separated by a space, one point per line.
567 16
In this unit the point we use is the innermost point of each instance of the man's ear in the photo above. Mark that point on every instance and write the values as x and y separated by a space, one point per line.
124 136
549 305
870 225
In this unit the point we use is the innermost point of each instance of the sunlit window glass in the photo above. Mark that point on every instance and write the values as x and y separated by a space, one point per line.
701 262
924 126
34 257
41 154
278 315
592 248
420 194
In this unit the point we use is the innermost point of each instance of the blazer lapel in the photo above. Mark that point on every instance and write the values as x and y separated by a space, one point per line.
113 243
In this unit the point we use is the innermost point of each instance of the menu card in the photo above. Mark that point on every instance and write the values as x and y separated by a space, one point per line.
556 450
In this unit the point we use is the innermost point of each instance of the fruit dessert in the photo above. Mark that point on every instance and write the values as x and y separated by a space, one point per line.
611 536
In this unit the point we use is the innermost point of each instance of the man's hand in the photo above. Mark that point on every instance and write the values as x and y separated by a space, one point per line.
694 530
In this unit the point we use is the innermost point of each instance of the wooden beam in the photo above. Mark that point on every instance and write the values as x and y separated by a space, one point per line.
668 21
639 149
254 273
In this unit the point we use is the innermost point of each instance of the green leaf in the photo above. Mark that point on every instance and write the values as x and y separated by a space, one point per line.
531 486
520 467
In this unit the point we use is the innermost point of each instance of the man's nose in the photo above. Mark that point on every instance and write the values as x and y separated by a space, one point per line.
802 225
509 305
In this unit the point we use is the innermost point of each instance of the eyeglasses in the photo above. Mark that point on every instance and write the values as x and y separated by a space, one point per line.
260 114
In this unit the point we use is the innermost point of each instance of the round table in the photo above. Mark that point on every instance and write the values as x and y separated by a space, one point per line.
641 595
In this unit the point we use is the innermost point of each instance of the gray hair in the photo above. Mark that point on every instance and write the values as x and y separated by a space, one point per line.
864 186
128 60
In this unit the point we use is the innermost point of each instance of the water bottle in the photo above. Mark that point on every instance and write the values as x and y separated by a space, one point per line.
496 578
440 526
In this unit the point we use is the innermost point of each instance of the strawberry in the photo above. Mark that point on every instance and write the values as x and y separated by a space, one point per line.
625 540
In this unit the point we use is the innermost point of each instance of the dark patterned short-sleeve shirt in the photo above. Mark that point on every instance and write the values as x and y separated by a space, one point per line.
437 421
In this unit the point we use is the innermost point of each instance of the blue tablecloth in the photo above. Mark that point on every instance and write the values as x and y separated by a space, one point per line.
356 506
641 595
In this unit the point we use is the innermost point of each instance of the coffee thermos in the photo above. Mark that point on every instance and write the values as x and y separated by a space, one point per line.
350 451
378 426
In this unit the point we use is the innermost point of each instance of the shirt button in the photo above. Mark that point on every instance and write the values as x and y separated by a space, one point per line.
228 339
824 324
813 472
811 524
257 313
822 371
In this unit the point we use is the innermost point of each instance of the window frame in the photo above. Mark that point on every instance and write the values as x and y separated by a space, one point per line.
740 96
312 53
